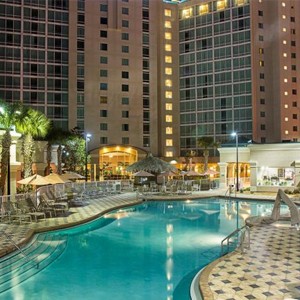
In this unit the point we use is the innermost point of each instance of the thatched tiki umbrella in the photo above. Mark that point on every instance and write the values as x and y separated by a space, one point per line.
151 164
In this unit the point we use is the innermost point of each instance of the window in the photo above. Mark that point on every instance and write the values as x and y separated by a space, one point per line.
103 47
125 23
125 100
103 21
168 94
169 130
125 10
168 47
169 118
125 49
125 88
168 13
262 114
295 128
168 59
260 25
293 55
103 99
103 73
125 74
125 62
168 71
295 116
168 35
103 33
262 101
125 127
169 153
103 60
103 86
125 140
168 24
260 13
103 113
168 83
294 91
263 127
103 140
103 126
169 142
125 36
103 7
125 114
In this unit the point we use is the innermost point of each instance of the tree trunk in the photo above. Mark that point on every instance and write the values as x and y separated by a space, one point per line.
206 155
5 159
28 151
59 159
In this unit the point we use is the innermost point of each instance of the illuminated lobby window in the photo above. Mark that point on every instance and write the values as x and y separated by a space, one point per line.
285 67
240 2
186 13
169 142
168 13
286 132
168 82
169 106
285 80
284 42
169 94
203 9
286 93
283 4
169 130
168 47
168 59
284 29
286 119
284 54
168 24
286 106
169 118
283 17
168 71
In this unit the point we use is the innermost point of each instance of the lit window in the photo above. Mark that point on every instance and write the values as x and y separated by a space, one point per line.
168 82
283 4
284 17
168 71
240 2
284 29
169 142
169 154
286 93
186 13
168 59
285 67
221 4
285 80
169 130
168 47
168 24
284 54
168 35
284 42
169 94
168 13
203 9
286 119
169 118
169 106
286 106
286 132
261 63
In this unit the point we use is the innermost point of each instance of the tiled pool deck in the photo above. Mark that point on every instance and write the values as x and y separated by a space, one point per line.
270 269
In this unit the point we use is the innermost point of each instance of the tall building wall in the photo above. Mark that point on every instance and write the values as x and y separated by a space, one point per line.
34 56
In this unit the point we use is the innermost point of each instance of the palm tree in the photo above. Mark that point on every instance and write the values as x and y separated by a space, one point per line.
207 142
34 124
9 117
56 136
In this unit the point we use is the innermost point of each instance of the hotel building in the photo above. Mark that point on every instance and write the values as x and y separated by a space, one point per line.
153 75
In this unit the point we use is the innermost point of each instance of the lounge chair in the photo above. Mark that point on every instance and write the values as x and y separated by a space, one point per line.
14 213
51 206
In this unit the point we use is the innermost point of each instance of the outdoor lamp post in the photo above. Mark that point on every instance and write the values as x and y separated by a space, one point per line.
87 139
237 158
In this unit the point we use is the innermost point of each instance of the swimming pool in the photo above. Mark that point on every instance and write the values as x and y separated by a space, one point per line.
149 251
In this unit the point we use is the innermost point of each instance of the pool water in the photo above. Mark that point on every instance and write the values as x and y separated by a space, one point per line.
150 251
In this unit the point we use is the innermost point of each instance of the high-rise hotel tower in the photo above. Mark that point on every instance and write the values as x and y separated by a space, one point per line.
153 75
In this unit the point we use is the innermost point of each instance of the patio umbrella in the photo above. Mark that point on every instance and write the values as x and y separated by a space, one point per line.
54 178
142 174
168 174
71 175
191 173
151 164
210 172
34 180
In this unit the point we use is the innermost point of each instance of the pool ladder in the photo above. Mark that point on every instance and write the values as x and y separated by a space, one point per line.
9 238
243 236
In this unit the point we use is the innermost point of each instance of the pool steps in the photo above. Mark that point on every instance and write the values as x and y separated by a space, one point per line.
19 266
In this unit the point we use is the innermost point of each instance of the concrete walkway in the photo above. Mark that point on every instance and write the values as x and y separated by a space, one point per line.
270 269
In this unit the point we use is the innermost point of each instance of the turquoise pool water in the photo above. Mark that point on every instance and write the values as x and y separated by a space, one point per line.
150 251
